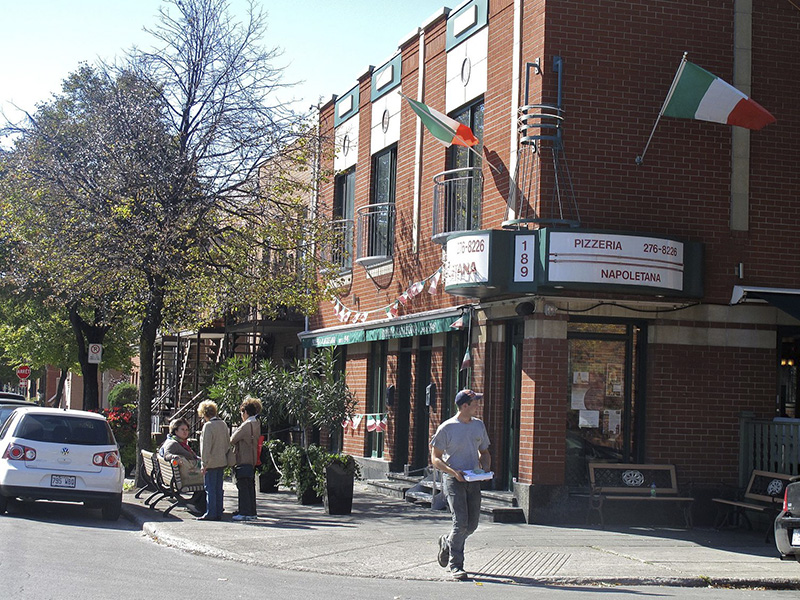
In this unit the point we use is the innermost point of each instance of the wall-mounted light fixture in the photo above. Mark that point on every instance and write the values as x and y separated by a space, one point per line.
524 309
550 310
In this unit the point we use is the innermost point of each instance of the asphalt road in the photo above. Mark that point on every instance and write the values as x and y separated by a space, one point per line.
66 552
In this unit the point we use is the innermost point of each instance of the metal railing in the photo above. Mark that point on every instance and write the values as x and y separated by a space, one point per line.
340 253
457 195
375 236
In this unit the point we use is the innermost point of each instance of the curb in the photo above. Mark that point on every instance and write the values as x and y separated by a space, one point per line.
152 529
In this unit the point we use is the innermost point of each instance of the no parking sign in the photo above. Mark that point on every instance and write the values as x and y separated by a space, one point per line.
95 354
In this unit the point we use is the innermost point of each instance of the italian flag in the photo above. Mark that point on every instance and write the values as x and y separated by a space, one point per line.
448 131
697 94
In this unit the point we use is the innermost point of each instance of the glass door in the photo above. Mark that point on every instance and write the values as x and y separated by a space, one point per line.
603 403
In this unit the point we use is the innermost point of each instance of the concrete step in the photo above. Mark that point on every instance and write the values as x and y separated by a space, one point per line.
389 487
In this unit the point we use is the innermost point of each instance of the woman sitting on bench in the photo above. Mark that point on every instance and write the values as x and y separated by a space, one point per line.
176 447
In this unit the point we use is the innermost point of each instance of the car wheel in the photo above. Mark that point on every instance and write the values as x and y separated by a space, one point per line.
3 504
112 509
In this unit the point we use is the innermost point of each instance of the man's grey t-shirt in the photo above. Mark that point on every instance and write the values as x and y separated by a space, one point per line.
460 442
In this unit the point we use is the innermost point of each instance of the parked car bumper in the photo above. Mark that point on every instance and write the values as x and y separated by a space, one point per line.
785 525
58 494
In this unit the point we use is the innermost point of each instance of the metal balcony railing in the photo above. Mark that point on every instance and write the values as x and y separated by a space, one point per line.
457 197
375 236
340 252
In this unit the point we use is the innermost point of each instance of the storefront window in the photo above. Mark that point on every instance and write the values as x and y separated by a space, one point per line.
601 410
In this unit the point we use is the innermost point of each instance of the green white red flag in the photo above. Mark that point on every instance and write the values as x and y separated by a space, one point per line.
448 131
698 94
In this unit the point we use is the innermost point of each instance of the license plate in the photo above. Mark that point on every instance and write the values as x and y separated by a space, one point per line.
796 537
62 481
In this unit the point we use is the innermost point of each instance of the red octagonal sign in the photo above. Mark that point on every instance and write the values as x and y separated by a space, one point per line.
23 372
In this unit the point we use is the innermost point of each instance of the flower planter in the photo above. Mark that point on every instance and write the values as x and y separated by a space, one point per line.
309 496
268 482
338 489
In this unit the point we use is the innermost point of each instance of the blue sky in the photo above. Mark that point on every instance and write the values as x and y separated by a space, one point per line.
326 43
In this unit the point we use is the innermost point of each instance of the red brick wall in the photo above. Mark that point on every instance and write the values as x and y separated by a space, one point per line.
695 397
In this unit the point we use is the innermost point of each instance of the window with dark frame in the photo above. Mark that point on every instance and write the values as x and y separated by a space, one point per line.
380 241
343 214
464 196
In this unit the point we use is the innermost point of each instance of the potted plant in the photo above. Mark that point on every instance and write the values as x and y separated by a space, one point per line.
268 474
340 473
298 472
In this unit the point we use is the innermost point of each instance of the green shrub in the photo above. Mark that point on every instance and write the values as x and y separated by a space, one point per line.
122 394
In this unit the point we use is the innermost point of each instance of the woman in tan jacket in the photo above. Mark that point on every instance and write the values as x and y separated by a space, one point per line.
214 444
245 443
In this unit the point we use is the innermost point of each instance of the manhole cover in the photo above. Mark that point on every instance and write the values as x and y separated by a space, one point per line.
520 563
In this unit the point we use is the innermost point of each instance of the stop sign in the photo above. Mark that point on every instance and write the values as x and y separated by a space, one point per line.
23 371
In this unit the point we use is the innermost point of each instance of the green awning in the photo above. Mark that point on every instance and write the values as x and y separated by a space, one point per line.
374 334
338 338
402 330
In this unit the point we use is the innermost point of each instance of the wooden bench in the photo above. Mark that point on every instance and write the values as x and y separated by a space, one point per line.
627 482
151 479
763 495
171 485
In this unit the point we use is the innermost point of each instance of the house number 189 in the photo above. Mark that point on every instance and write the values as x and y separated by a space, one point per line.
523 258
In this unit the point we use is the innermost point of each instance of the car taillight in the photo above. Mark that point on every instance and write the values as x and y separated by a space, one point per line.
106 459
19 452
786 499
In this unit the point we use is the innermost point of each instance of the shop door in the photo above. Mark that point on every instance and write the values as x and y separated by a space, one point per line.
604 401
402 408
513 388
421 409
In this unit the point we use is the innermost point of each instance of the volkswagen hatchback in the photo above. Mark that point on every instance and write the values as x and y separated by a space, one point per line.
62 455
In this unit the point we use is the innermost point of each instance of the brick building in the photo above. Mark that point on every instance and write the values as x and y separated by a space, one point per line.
610 310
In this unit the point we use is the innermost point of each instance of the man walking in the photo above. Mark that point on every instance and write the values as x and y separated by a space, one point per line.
461 444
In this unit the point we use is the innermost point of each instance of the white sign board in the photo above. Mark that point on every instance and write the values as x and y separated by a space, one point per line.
95 354
615 259
524 247
468 259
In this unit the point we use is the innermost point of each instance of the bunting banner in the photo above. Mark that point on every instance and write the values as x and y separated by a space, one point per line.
355 421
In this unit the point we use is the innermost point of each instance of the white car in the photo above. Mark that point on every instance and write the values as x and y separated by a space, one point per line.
62 455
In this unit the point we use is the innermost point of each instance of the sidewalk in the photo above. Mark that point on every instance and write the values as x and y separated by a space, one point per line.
390 538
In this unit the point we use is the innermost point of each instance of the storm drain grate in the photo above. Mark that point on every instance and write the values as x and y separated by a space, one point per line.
520 563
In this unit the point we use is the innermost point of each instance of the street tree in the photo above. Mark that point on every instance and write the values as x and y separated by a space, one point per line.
146 180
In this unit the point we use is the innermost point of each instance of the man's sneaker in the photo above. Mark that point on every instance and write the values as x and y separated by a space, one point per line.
458 574
444 551
239 518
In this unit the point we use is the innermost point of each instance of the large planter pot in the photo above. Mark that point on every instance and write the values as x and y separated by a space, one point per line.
309 496
338 489
268 482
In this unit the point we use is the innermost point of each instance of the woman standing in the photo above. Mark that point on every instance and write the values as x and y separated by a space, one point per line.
245 442
214 444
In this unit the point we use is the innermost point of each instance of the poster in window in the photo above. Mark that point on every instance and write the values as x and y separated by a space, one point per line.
614 380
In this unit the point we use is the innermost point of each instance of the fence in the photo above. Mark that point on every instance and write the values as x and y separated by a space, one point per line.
769 446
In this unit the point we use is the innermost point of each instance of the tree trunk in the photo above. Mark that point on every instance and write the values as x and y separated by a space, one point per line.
86 334
58 397
147 343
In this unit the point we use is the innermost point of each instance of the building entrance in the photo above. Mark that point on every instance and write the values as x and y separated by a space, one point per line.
605 399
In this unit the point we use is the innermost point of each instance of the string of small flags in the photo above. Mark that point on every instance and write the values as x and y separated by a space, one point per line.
375 422
347 315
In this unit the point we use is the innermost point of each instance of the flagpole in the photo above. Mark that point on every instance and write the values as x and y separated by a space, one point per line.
446 126
640 158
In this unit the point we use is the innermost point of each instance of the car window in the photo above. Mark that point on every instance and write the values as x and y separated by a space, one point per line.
5 412
5 419
64 430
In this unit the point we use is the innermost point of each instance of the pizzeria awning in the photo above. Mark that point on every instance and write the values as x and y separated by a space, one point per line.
785 299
